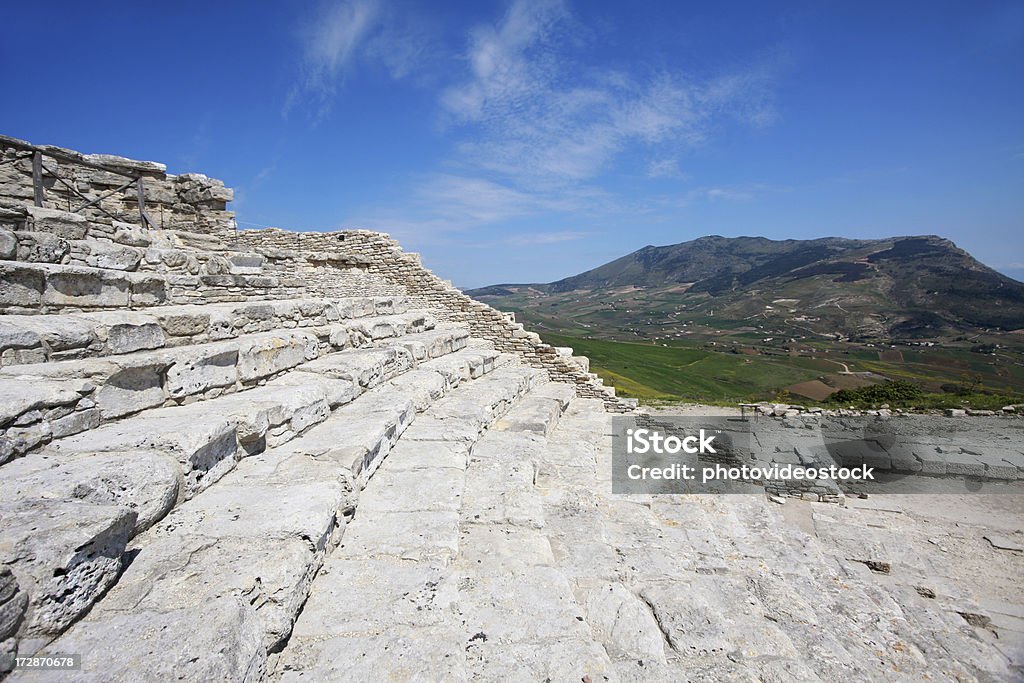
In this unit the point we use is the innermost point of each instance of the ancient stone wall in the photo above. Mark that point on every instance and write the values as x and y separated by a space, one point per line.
192 252
382 256
189 202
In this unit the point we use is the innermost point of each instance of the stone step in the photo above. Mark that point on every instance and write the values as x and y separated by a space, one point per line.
383 604
38 403
51 287
45 287
39 338
249 547
129 249
143 466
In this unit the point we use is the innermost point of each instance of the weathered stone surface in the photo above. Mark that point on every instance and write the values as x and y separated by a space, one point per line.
202 368
418 536
13 602
8 245
41 247
59 333
19 396
71 226
537 414
222 642
271 575
204 445
86 288
21 285
104 256
145 482
366 367
131 390
401 654
619 617
64 555
338 392
263 356
424 386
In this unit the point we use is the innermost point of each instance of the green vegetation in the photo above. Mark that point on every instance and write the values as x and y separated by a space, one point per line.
680 373
903 394
896 391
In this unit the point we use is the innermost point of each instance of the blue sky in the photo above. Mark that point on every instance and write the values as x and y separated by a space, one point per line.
526 141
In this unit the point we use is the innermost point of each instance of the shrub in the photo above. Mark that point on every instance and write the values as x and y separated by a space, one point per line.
895 391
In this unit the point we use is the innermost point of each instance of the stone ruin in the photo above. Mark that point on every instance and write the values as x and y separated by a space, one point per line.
256 455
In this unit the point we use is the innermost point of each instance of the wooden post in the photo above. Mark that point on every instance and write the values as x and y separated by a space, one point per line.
141 194
37 178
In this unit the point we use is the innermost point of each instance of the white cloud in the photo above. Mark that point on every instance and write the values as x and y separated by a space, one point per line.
538 117
665 168
341 34
538 238
446 207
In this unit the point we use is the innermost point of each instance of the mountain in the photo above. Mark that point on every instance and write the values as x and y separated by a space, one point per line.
900 287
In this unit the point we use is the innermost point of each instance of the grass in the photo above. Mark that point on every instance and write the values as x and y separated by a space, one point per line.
676 373
684 371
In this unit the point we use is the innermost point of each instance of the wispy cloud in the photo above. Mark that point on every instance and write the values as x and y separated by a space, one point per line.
443 205
331 38
539 117
538 238
340 34
665 168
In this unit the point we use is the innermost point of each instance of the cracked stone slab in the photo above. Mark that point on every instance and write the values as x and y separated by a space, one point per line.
375 595
146 482
189 570
205 446
222 642
402 654
64 555
420 536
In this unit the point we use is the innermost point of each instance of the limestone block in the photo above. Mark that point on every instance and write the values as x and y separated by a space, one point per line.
75 422
20 395
366 367
13 602
417 536
423 386
622 621
148 291
536 414
70 226
131 389
405 654
131 234
337 391
184 323
65 555
216 640
268 355
145 482
115 161
201 368
113 258
15 336
8 245
60 333
204 445
41 247
355 596
21 285
85 288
